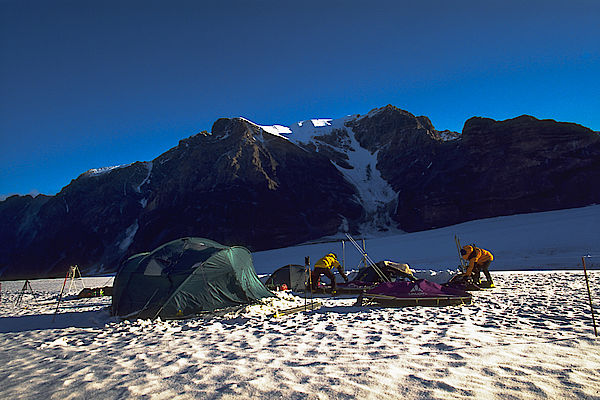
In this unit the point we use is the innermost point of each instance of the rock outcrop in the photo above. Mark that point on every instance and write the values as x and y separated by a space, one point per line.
493 168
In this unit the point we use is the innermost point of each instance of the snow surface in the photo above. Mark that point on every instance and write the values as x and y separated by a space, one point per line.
531 337
548 240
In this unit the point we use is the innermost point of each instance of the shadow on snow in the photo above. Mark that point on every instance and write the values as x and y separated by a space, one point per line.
86 319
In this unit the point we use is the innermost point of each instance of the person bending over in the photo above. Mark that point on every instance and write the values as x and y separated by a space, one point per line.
479 261
324 267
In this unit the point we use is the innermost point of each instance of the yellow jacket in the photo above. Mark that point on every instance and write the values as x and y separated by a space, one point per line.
476 255
329 261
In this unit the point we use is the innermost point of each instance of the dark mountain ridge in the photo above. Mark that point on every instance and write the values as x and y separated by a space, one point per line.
241 185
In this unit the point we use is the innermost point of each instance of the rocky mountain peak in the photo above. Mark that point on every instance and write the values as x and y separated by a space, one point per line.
272 186
237 128
384 126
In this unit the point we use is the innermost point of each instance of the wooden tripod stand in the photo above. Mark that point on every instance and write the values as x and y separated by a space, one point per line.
26 288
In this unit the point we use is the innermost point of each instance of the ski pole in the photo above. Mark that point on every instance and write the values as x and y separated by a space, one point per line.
461 260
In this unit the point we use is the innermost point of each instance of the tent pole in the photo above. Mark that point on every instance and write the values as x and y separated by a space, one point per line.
366 257
589 295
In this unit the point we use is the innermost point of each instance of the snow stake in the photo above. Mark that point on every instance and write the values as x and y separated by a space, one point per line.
589 295
309 280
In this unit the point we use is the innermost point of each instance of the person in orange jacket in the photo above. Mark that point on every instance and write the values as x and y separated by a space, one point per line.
324 267
479 260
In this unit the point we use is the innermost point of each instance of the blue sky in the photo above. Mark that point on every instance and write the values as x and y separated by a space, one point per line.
88 84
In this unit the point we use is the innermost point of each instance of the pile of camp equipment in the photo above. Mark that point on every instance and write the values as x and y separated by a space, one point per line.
420 292
384 271
384 283
374 274
95 292
387 283
184 278
295 277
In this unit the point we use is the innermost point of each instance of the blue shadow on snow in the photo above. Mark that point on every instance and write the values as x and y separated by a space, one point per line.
85 319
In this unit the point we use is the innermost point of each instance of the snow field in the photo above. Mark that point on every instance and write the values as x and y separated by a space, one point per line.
529 338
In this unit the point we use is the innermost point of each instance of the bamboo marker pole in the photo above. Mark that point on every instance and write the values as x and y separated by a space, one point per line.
344 254
61 295
589 295
310 284
306 280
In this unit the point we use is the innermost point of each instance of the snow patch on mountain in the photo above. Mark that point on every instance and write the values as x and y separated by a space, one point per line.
149 165
103 170
304 131
129 235
317 123
447 135
276 130
376 195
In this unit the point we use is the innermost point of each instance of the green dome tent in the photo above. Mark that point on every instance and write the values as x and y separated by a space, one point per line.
184 277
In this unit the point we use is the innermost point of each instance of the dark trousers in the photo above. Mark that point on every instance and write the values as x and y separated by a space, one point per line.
482 267
316 276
